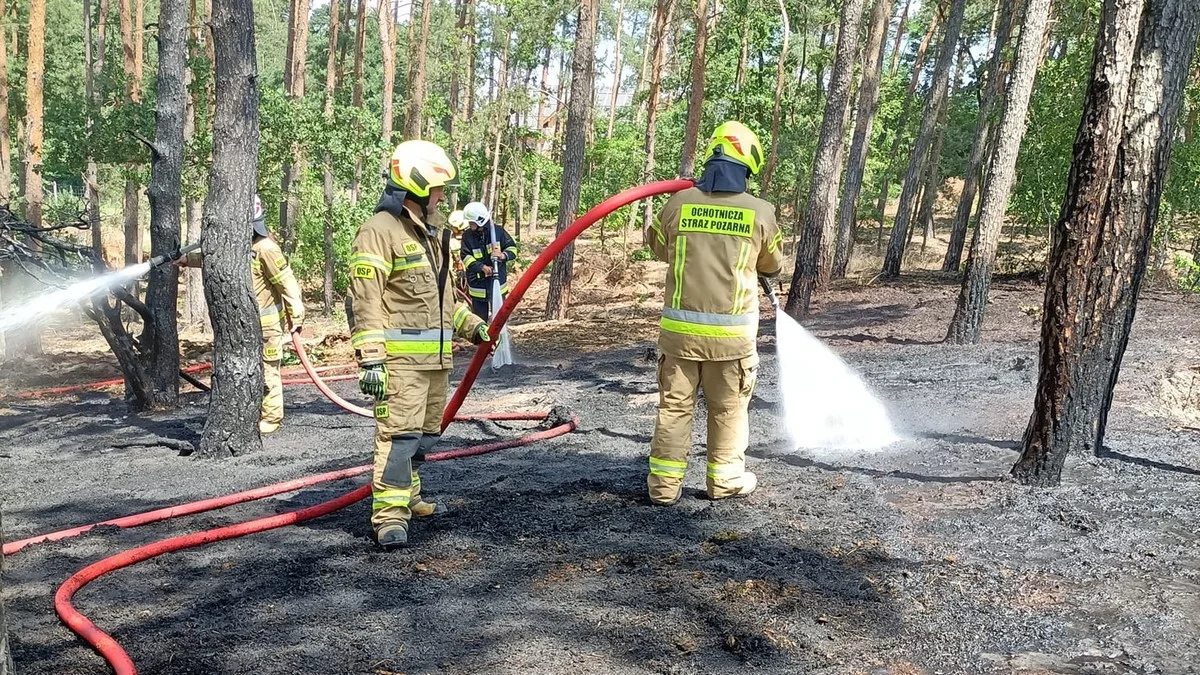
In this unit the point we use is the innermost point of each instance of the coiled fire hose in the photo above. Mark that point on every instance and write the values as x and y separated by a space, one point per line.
116 656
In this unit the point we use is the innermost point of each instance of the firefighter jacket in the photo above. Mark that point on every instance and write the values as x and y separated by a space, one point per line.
716 245
404 308
280 304
477 252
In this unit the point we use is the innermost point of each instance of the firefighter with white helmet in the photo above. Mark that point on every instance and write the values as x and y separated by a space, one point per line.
717 239
280 308
405 316
487 252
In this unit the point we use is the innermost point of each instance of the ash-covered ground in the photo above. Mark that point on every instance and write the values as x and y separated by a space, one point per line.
921 559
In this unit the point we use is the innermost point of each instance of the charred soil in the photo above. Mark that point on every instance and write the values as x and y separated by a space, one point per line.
920 559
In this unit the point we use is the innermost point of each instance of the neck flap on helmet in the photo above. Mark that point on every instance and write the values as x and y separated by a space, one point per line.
392 202
722 174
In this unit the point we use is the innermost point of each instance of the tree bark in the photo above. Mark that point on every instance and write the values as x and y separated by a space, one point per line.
860 146
91 178
920 153
131 50
617 66
967 324
469 93
35 76
231 427
328 186
814 258
456 84
993 89
1102 239
416 104
780 72
6 662
293 169
901 29
687 157
663 10
356 97
583 67
885 186
161 337
5 143
195 311
387 41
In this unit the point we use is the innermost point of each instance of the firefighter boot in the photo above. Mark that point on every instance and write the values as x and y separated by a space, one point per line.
677 383
392 484
728 386
392 537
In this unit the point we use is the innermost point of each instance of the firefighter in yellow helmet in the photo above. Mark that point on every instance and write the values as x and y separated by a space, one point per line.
405 316
717 239
457 221
280 308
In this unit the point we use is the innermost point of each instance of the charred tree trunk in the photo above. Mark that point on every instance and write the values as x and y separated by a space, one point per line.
814 258
920 152
687 157
328 187
993 90
967 324
293 84
161 337
416 104
780 73
1102 239
583 67
232 424
860 146
663 11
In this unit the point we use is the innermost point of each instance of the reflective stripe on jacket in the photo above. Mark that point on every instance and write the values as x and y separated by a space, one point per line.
716 245
476 252
394 266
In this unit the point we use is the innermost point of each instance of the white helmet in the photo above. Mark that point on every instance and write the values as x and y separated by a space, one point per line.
477 213
456 219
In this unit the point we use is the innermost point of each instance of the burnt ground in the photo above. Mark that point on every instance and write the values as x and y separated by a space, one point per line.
922 559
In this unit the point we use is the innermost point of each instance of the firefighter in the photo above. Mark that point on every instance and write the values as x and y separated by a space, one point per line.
280 309
486 259
716 239
405 316
458 273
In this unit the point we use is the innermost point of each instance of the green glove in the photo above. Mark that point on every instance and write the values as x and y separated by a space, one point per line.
481 335
373 381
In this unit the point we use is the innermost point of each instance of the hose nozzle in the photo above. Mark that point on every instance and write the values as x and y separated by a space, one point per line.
766 286
173 255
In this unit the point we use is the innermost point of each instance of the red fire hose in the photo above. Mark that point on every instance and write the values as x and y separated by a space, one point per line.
116 656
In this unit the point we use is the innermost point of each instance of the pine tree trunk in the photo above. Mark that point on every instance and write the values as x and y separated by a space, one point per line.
687 157
6 169
583 67
469 93
130 50
166 202
663 10
536 201
416 91
644 69
860 146
35 75
6 662
1102 239
356 97
91 178
327 186
195 311
814 259
967 324
920 152
293 84
993 89
231 427
780 72
617 66
885 187
456 85
387 42
901 28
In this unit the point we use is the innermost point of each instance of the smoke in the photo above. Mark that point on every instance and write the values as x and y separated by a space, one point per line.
827 407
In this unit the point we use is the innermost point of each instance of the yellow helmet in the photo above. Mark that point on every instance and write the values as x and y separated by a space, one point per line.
456 220
738 143
418 166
